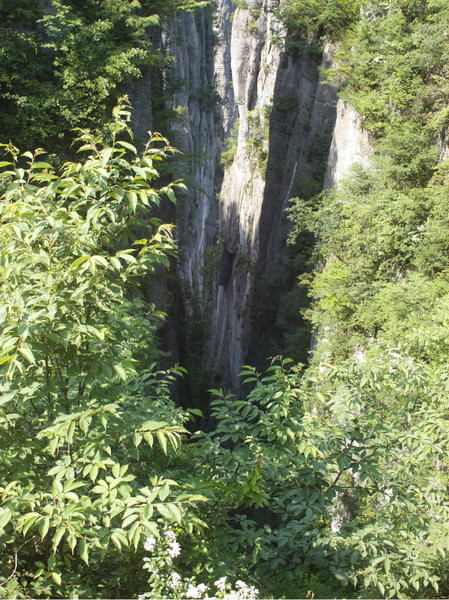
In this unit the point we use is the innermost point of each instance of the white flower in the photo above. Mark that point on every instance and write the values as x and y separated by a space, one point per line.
170 535
252 592
221 584
233 595
175 550
248 592
175 581
192 592
196 591
150 543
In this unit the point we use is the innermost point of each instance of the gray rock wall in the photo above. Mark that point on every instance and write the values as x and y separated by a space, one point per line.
283 109
350 145
235 73
189 39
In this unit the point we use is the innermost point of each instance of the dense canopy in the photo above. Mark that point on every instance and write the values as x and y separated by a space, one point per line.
328 478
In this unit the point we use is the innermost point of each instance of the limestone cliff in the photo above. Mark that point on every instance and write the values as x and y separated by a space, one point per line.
243 90
350 145
285 118
189 39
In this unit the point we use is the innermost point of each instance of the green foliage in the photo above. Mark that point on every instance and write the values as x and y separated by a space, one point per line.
330 480
382 236
384 252
258 136
166 581
65 66
231 144
392 67
85 417
281 461
65 63
343 470
329 18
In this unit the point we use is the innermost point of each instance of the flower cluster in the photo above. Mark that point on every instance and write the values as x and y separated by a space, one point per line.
174 548
165 582
242 591
249 592
196 591
220 584
150 543
175 581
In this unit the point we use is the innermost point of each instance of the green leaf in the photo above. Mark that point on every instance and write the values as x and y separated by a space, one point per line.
137 439
120 371
44 526
164 491
60 530
42 165
132 200
130 519
163 511
26 352
135 535
162 440
116 263
72 541
116 541
78 262
126 145
27 521
176 511
5 517
83 550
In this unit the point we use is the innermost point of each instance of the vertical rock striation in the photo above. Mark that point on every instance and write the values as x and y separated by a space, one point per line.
189 39
238 84
283 109
254 59
350 145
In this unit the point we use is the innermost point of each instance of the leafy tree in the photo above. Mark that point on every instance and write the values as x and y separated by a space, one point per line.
392 67
383 233
329 18
82 405
342 471
373 396
65 63
378 243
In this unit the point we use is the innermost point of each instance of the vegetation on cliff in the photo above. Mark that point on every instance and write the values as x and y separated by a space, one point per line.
65 63
328 478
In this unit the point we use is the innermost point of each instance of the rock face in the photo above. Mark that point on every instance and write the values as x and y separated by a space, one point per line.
243 91
253 61
350 145
189 39
282 110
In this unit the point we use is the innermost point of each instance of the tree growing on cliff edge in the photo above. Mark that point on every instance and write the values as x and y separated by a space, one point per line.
64 64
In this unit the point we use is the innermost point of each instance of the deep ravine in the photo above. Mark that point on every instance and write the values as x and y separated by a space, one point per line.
257 125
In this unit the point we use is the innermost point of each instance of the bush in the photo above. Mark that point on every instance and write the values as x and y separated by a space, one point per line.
82 405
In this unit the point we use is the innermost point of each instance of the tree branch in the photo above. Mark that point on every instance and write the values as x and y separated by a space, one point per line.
16 553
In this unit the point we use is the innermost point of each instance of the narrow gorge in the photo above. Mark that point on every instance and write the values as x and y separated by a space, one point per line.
223 346
257 123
